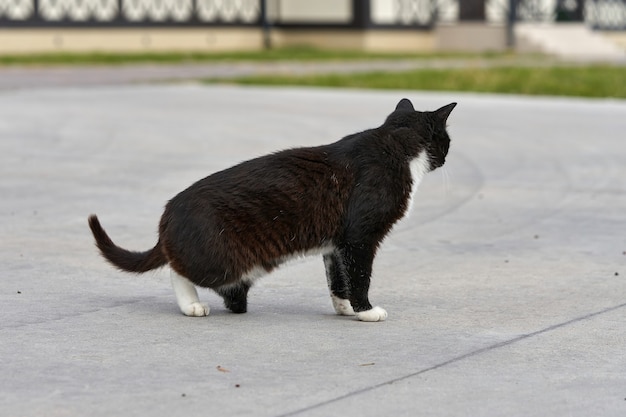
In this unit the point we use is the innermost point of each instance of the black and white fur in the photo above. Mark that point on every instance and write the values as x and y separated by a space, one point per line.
338 200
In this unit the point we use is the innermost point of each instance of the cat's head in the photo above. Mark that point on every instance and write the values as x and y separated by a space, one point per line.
429 127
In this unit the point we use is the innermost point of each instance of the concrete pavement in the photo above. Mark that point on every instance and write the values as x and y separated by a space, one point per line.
505 288
569 41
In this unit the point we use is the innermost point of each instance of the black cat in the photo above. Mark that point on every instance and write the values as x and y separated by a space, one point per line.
338 200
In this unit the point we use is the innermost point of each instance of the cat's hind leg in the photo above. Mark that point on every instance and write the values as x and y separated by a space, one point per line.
187 296
338 285
235 296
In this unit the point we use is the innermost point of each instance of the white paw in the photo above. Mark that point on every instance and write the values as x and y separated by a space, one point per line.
195 309
342 306
374 314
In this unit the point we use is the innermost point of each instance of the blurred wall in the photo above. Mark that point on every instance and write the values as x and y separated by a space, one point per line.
27 26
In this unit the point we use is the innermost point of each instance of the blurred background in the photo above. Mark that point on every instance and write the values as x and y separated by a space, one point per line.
588 29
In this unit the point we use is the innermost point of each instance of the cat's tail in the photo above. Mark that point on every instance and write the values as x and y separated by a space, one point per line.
124 259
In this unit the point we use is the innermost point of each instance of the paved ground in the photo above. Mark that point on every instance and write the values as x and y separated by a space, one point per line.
506 288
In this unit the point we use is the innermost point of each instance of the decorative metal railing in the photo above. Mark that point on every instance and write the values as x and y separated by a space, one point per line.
408 14
100 13
598 14
606 14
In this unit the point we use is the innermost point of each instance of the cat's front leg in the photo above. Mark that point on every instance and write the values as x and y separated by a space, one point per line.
187 296
358 259
338 284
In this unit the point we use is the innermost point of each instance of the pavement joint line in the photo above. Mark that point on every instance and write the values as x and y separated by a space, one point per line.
456 359
71 316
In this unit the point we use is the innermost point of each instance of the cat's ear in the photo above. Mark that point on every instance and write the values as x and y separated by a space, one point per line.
405 104
443 113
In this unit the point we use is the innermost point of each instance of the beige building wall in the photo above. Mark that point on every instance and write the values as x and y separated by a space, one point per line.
311 11
470 37
24 41
400 41
378 40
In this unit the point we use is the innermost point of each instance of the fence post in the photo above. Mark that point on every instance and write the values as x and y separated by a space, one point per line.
510 24
265 26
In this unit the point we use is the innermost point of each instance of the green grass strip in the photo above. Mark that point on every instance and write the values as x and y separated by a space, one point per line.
581 81
278 54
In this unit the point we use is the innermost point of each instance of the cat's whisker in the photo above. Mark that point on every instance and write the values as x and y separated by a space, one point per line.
446 180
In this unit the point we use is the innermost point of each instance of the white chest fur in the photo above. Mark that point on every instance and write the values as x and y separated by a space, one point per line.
419 167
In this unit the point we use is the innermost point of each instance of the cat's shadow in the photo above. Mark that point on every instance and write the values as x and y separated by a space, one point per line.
164 307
